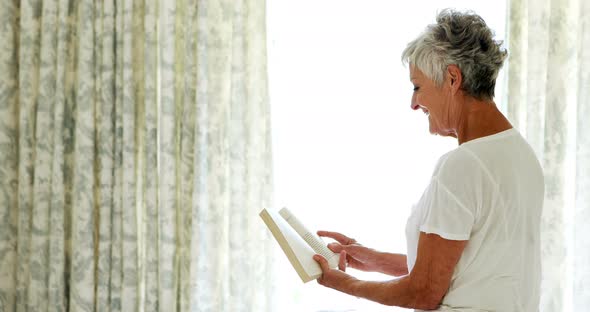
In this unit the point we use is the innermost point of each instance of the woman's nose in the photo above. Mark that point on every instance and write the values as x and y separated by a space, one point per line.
414 105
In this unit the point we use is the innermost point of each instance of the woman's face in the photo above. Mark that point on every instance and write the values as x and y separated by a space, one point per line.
435 102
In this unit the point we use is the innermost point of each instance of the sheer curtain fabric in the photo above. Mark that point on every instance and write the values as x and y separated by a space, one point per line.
134 156
549 101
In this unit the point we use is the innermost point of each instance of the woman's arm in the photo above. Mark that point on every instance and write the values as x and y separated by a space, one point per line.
424 288
370 260
391 264
367 259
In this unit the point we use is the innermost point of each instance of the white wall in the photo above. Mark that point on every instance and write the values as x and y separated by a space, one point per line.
349 153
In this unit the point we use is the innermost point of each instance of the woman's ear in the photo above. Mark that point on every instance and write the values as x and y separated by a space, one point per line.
455 77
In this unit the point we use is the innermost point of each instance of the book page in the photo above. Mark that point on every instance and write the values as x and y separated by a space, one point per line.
314 241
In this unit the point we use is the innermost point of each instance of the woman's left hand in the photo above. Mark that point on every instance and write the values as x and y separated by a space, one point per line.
336 279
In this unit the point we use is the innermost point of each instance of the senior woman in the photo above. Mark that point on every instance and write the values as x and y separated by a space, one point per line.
473 237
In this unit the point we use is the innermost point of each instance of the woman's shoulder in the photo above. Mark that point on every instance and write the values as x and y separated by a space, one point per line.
458 158
462 168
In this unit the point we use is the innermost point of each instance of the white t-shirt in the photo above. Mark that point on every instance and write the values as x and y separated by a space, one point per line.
488 191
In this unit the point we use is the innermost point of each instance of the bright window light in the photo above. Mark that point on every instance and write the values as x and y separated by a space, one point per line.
349 153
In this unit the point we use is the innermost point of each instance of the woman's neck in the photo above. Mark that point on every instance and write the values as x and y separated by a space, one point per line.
481 118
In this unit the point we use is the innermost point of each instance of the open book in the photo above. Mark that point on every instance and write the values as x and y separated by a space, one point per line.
298 243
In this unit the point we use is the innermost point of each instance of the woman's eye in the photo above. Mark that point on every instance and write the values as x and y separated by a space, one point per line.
416 89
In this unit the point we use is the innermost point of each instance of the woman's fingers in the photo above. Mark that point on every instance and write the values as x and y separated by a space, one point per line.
342 262
356 256
341 238
322 262
360 260
360 253
357 252
335 247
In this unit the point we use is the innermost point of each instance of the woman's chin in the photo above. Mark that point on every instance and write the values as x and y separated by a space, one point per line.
435 131
432 129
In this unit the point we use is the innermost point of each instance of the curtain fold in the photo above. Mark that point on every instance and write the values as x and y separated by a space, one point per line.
549 102
581 245
134 156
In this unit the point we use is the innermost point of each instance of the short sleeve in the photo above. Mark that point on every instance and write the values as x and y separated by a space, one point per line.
458 197
444 213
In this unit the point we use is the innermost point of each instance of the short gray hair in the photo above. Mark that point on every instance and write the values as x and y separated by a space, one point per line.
462 39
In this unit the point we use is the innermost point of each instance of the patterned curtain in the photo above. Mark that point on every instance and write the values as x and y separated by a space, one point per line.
549 101
134 155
